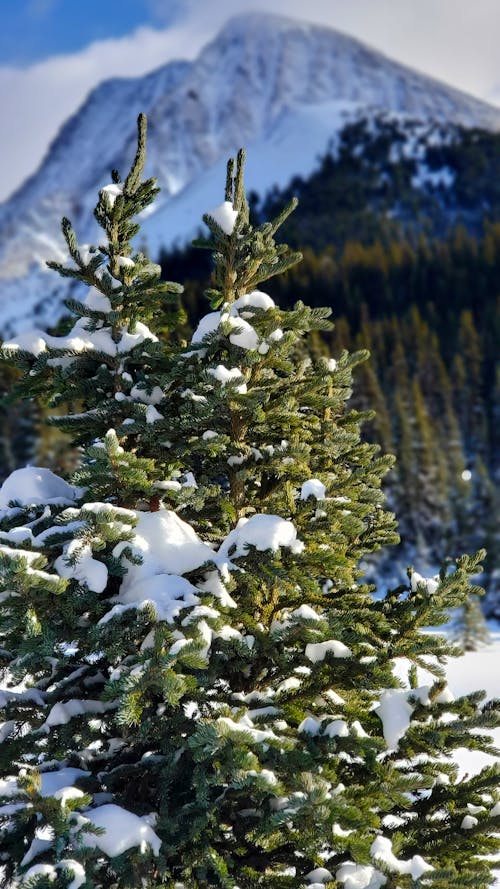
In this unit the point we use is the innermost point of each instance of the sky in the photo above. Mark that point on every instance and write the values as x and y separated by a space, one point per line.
53 52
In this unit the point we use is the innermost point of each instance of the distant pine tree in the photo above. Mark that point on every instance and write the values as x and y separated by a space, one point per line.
469 627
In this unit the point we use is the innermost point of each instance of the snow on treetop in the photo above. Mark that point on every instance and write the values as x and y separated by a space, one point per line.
123 830
262 531
34 485
112 191
225 216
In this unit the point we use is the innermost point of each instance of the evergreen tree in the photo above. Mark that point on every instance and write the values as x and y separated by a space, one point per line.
110 359
470 629
199 690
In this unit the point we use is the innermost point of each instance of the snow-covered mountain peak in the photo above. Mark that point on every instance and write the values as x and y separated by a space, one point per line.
279 86
253 23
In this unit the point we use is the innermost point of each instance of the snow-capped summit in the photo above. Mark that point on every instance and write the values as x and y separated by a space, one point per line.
280 87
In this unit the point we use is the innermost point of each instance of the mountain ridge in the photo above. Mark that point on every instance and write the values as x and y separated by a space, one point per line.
275 84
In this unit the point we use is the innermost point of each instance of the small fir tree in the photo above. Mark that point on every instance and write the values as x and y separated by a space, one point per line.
470 629
198 688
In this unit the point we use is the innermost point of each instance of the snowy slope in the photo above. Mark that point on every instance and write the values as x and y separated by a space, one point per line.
290 147
477 670
280 87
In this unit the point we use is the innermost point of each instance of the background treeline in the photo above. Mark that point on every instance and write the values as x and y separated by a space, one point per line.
384 175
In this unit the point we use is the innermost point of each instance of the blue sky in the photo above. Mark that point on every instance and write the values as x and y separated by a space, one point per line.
33 30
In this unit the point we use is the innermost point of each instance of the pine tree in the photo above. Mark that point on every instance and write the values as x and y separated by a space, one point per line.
470 629
110 359
198 688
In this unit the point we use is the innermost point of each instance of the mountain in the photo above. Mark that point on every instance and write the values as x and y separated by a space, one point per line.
282 88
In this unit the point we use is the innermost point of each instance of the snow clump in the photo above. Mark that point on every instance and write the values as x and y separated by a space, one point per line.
50 871
317 651
360 876
395 711
381 849
225 216
32 486
313 488
262 531
236 316
123 830
429 583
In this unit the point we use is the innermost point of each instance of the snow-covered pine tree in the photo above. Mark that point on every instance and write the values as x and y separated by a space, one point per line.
199 690
109 360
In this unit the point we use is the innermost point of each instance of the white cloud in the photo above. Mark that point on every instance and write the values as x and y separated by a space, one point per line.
455 40
35 101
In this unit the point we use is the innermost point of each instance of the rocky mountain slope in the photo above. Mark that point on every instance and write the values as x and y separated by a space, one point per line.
280 87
